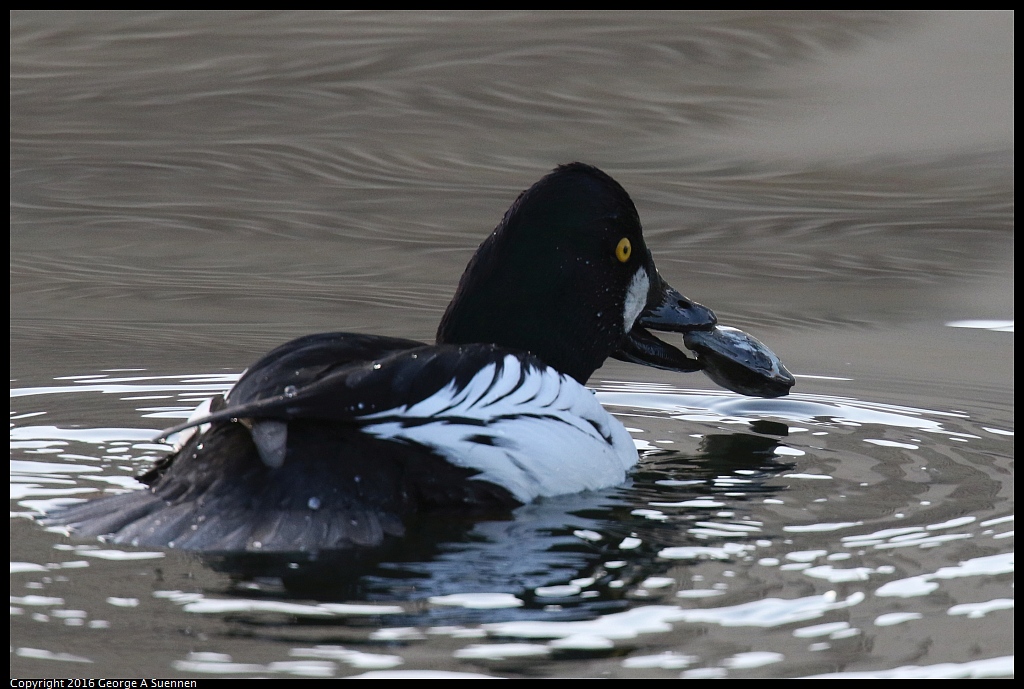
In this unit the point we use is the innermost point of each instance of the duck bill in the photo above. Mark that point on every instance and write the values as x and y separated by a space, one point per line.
667 310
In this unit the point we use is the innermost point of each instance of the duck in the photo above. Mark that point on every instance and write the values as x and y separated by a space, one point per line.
334 441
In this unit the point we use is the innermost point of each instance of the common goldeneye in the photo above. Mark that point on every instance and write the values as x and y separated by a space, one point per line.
334 440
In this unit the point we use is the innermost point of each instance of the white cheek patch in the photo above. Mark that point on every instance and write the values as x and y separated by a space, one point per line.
636 299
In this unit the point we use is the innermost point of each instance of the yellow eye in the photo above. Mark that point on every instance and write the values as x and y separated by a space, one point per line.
624 250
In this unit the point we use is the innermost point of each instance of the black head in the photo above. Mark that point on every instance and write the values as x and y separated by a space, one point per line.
567 276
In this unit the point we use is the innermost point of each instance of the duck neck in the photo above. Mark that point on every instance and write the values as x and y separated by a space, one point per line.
530 312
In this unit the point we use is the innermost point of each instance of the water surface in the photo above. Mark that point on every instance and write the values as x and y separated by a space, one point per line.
190 190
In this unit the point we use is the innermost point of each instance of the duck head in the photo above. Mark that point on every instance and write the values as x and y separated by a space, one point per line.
566 276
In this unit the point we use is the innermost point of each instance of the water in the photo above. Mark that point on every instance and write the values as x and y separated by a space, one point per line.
190 190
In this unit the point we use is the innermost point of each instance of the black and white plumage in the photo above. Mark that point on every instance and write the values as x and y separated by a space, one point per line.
517 422
504 415
472 428
336 440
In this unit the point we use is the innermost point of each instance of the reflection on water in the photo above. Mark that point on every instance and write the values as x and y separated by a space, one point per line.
190 190
740 508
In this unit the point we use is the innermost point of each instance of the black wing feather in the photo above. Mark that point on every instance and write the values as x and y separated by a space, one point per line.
339 488
308 359
351 390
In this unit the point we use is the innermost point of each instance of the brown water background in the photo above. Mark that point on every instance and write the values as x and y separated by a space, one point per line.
189 190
